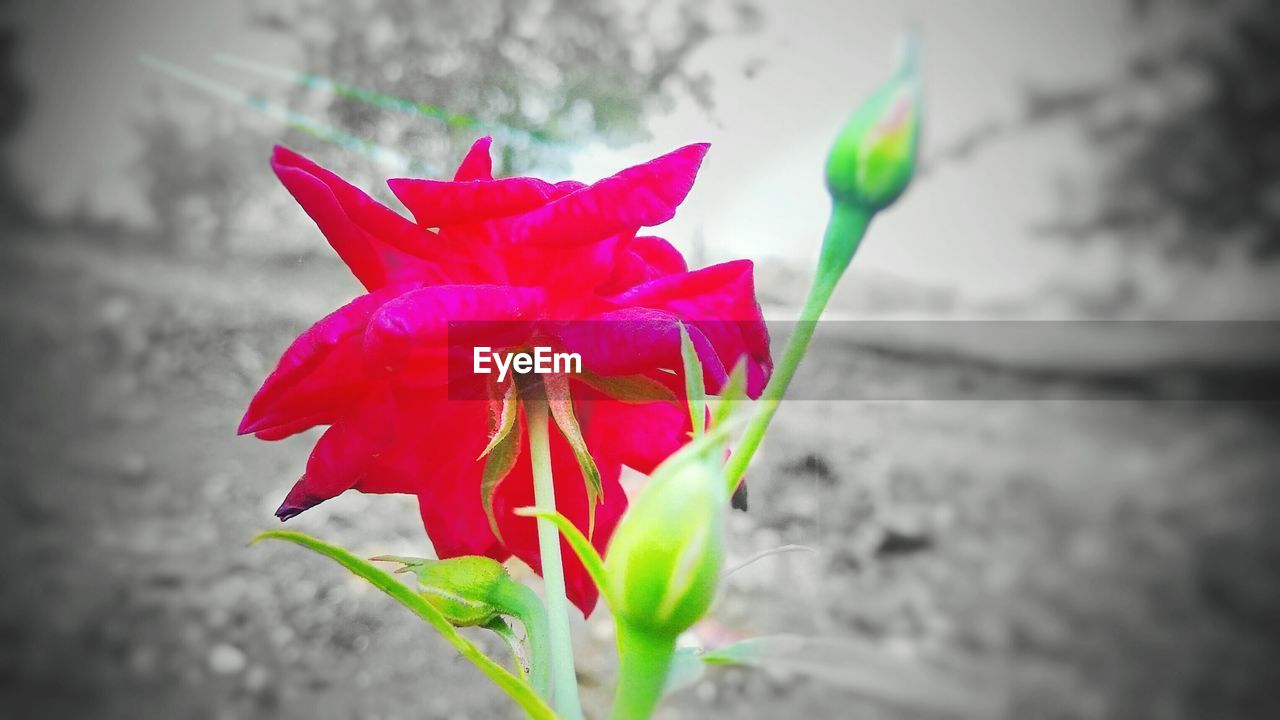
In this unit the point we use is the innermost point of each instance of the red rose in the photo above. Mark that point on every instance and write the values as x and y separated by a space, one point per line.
559 262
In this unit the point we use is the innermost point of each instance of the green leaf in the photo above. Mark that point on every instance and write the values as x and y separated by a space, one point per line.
561 403
686 669
633 389
733 392
694 389
707 448
578 542
519 691
864 669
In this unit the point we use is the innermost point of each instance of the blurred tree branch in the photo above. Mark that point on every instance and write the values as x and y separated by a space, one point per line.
1190 132
14 102
552 73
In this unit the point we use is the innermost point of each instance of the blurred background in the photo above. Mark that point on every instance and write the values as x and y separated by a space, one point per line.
1079 525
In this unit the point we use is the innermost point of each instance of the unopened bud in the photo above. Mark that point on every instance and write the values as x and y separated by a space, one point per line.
874 156
468 590
664 559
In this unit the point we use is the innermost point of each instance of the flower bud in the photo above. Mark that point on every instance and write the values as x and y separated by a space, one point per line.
874 156
664 560
466 590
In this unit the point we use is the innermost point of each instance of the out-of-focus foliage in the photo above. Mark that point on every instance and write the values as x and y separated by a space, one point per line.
1190 133
566 70
542 75
1193 130
1206 172
13 106
198 175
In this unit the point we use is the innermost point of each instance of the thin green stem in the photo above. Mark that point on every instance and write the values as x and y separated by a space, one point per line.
527 607
645 661
843 235
564 678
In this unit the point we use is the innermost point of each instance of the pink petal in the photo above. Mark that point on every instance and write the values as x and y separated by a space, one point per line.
643 259
639 435
378 245
639 196
720 301
477 165
450 476
437 203
571 274
659 255
638 340
341 457
319 374
436 457
414 329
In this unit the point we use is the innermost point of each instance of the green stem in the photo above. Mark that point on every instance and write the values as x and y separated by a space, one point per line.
843 235
529 610
564 678
645 661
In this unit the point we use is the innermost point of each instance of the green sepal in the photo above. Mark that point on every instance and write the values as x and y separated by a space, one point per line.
631 389
513 686
503 450
560 401
503 412
519 657
695 391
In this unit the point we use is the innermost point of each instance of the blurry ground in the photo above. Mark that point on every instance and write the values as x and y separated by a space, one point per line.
1089 559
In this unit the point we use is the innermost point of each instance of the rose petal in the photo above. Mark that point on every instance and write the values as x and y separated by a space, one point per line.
341 457
378 245
415 328
721 302
477 165
639 196
437 203
659 255
638 340
643 259
318 375
639 435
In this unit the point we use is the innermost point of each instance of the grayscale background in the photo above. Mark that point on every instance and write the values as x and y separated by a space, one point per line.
1077 522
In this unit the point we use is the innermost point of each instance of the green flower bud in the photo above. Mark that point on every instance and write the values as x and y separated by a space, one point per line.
475 591
664 559
874 156
468 591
